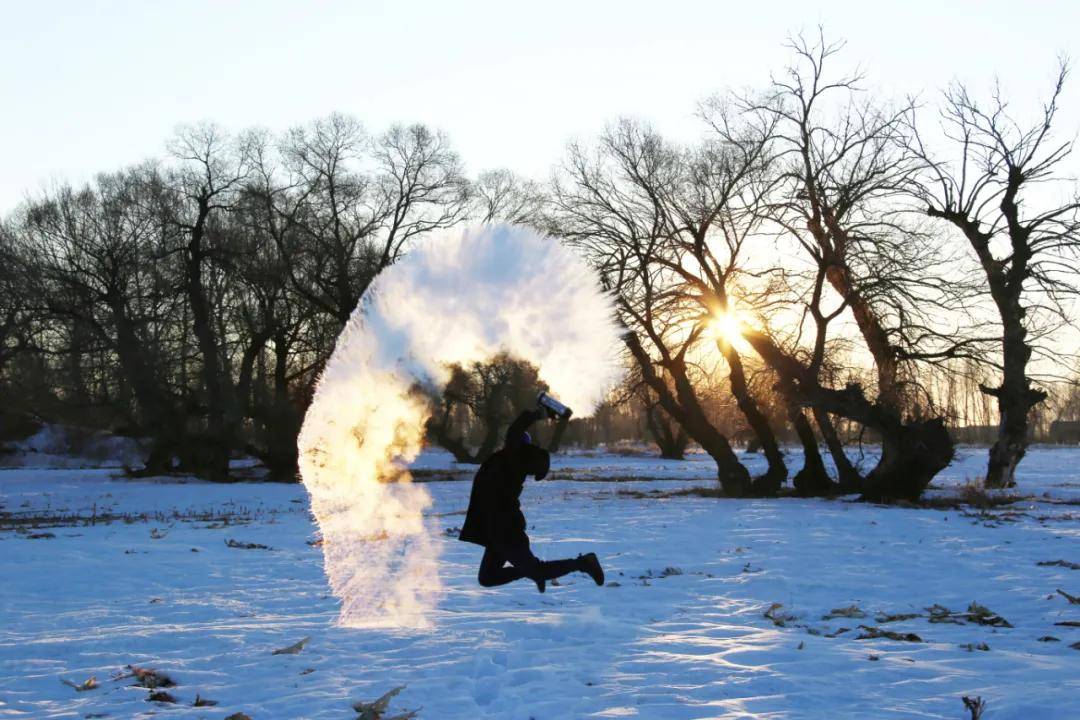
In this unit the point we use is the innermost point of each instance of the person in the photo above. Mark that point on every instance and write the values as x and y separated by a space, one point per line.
495 521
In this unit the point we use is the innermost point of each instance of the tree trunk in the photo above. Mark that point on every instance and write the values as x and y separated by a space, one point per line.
870 327
1015 400
777 471
211 456
848 478
1006 279
685 408
490 443
159 419
281 455
812 480
439 431
670 438
911 455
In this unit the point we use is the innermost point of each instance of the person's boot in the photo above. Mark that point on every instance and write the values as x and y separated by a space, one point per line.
590 565
541 584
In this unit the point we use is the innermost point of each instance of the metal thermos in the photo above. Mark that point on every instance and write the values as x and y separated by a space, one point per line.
545 400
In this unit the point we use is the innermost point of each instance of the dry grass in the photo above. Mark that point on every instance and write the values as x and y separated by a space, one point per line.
976 706
871 632
146 677
26 522
246 545
852 611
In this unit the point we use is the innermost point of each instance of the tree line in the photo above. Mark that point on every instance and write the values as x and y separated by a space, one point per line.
820 266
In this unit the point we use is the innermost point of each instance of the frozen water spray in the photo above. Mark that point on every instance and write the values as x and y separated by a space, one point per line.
455 299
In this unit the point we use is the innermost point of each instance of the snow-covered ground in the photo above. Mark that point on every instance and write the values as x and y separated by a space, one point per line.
680 632
66 446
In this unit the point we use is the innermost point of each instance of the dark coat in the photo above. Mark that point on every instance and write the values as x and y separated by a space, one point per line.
494 516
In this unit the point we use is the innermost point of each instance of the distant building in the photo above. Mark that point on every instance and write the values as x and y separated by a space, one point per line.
1064 432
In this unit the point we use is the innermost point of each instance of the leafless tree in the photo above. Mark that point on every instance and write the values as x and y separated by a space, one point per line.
95 252
16 320
479 403
205 188
845 172
356 203
298 335
196 300
995 182
669 436
502 196
666 228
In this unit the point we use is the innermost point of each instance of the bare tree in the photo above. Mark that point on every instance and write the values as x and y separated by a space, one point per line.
205 186
666 228
356 203
994 184
669 436
502 196
845 173
16 319
845 170
297 333
96 254
479 403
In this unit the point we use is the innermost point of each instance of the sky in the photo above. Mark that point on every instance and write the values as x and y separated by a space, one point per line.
90 86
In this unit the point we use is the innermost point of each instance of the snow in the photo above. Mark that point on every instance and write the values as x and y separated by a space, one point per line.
65 446
683 635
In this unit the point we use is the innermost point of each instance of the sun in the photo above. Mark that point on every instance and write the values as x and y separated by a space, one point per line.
727 326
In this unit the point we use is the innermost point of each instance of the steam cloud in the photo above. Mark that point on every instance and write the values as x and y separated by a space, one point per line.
456 299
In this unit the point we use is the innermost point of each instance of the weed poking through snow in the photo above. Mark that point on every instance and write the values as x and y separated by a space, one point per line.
975 706
1073 599
89 684
377 710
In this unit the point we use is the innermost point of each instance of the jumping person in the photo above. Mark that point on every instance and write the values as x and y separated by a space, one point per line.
495 520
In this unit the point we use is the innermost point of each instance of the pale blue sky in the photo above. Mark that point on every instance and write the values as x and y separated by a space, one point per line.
90 86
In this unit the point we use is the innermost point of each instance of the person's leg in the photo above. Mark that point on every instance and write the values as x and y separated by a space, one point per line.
523 563
590 565
492 572
522 558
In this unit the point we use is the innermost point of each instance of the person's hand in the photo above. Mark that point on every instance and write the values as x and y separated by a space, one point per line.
543 412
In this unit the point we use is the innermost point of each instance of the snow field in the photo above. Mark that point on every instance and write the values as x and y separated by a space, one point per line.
681 632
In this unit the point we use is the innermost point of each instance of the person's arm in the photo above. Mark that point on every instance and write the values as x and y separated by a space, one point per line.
521 425
556 438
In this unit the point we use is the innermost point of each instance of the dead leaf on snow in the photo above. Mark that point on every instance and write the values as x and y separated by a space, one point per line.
376 710
293 649
851 611
89 684
870 632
